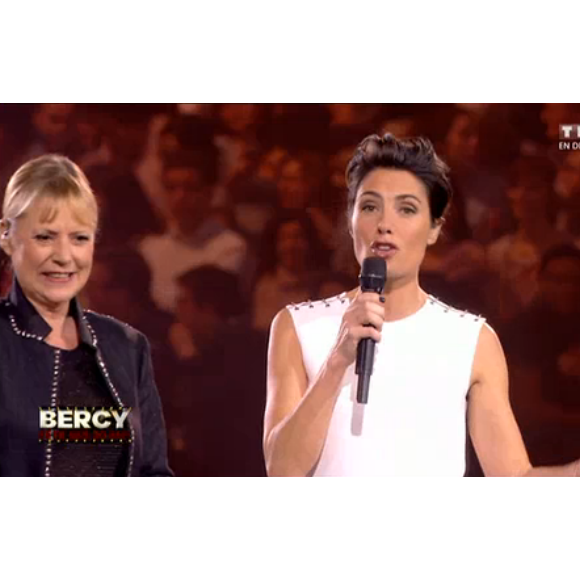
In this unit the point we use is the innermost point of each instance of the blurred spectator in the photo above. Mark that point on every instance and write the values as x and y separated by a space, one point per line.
458 273
300 180
567 188
239 124
126 132
455 269
292 258
334 283
185 133
169 134
529 130
241 119
254 205
15 132
337 163
402 127
297 127
193 235
516 256
53 130
127 149
127 214
351 123
432 119
90 144
269 165
462 143
196 109
118 279
479 205
303 179
363 117
543 350
555 114
216 403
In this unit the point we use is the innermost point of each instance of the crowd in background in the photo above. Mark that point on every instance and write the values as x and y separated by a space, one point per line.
214 217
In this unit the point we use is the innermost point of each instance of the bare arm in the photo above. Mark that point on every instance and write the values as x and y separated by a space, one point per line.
492 425
297 415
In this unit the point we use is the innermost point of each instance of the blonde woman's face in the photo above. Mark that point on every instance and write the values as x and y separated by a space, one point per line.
51 259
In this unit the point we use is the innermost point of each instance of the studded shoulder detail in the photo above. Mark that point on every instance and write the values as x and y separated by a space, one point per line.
100 314
18 331
88 311
433 301
323 303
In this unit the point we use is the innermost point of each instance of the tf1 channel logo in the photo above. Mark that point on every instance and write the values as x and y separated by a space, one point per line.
569 137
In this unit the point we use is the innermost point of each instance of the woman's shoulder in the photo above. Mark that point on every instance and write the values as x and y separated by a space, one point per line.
447 331
441 308
315 316
296 314
111 328
317 308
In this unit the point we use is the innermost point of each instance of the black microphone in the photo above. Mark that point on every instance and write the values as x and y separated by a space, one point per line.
373 276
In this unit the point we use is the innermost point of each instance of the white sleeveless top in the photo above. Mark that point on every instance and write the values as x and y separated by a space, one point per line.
415 420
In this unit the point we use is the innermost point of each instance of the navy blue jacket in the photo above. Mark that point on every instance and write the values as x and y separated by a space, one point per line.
29 373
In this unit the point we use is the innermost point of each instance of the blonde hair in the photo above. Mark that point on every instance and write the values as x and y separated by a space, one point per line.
53 179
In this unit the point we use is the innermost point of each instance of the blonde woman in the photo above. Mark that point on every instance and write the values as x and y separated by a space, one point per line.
54 353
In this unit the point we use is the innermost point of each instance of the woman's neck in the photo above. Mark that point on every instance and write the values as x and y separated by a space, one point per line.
64 332
402 299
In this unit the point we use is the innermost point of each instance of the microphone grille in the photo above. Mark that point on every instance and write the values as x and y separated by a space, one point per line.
373 274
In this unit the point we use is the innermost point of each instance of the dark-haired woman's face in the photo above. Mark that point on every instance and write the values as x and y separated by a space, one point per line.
391 219
292 247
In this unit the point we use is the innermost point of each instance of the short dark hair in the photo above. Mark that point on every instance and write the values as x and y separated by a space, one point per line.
415 155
